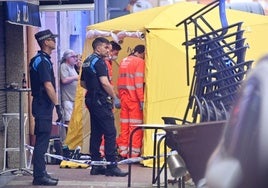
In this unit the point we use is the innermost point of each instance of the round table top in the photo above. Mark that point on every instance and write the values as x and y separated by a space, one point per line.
153 126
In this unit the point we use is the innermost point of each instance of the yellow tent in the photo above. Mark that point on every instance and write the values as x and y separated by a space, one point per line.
166 92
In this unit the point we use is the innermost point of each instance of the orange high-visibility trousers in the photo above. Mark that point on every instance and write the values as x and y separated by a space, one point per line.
130 114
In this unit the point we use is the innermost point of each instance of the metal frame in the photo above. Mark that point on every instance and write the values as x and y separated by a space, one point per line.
220 66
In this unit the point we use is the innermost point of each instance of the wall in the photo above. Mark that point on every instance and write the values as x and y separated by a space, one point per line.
2 78
15 67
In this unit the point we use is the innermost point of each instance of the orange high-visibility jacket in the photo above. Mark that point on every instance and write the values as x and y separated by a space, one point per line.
110 70
131 78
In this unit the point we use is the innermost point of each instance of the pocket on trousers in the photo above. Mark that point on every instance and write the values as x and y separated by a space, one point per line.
42 125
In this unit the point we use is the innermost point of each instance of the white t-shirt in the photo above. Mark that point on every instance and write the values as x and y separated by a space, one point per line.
68 90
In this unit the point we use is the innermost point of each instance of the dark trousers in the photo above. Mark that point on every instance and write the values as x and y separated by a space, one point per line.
102 123
42 112
40 148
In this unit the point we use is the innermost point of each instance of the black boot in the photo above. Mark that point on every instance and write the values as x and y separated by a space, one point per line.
44 181
47 175
97 170
115 171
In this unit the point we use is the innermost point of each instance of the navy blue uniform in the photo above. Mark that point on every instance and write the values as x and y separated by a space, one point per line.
41 70
100 107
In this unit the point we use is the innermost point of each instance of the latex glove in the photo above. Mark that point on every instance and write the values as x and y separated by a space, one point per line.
59 113
117 103
141 105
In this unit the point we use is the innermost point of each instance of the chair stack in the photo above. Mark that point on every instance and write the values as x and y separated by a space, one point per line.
218 72
220 66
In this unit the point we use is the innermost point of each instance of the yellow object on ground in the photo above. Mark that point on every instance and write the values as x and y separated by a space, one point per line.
71 164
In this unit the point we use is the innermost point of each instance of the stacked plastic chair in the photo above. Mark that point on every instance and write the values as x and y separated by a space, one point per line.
220 66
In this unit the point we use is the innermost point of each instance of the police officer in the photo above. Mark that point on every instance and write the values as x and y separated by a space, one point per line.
44 99
99 100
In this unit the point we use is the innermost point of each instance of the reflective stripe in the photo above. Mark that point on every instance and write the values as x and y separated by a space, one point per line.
134 121
136 150
124 120
126 75
131 87
123 153
126 87
139 85
102 152
122 148
139 74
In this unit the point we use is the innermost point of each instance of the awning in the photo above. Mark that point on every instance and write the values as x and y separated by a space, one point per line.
66 5
23 13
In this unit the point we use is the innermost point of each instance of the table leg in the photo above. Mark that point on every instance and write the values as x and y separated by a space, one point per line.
155 176
154 159
165 161
21 168
21 124
22 144
130 154
160 169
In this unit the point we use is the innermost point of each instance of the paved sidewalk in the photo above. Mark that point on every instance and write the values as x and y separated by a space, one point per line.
74 178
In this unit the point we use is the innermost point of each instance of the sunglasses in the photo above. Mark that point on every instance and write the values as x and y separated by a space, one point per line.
53 39
74 56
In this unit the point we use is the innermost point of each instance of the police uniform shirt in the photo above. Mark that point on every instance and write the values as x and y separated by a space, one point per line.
41 70
93 68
